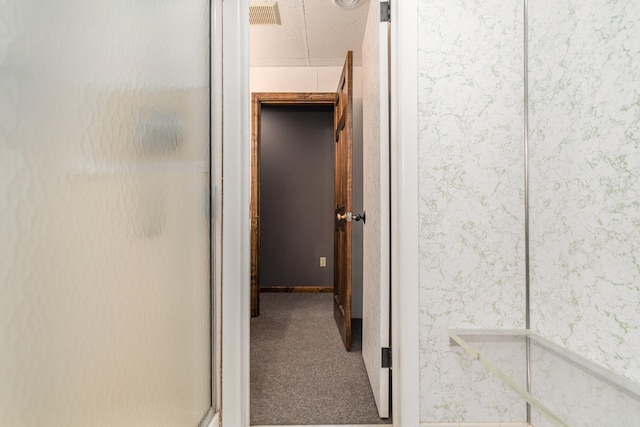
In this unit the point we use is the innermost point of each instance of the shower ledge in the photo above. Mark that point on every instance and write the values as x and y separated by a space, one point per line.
566 390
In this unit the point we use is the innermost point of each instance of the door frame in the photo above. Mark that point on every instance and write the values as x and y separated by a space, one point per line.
405 287
234 211
405 224
258 99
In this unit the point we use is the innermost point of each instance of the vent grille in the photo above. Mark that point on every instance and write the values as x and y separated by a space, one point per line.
264 13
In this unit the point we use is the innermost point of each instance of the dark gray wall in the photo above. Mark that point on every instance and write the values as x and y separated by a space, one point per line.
296 195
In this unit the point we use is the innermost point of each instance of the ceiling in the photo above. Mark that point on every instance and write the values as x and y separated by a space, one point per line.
313 33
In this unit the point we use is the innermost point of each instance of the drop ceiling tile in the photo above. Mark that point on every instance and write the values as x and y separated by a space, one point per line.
332 31
313 33
280 44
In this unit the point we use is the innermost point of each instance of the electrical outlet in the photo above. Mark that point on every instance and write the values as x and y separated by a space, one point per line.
323 261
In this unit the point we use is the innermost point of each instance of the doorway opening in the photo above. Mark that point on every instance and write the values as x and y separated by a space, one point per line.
300 371
403 205
291 193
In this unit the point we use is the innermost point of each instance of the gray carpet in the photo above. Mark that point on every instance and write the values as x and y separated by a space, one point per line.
300 371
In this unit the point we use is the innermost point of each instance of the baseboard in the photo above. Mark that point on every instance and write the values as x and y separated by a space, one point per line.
297 289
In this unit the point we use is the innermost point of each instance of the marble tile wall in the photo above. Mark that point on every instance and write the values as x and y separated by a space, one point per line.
471 199
584 144
475 425
578 396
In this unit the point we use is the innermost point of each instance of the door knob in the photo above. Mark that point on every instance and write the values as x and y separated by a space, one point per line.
351 217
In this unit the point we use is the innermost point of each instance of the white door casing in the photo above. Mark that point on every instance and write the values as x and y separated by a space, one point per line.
405 281
215 45
234 408
236 225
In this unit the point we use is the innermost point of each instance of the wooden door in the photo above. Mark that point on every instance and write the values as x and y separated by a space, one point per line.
343 198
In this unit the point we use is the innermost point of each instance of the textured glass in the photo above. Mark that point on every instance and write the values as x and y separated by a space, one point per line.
104 228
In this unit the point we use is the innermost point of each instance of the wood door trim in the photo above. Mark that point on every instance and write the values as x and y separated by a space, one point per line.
297 289
343 201
258 99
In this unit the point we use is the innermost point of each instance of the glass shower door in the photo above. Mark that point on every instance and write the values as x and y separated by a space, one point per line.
105 295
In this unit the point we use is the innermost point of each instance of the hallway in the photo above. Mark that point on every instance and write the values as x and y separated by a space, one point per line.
300 372
513 165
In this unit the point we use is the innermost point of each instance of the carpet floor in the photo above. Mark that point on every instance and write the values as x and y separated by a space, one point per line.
300 371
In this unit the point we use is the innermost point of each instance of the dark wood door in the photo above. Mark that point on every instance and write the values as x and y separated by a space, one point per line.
343 127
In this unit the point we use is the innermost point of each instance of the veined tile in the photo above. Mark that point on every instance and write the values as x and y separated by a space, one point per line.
471 199
475 425
584 179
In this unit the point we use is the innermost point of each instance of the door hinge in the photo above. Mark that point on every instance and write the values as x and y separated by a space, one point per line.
386 357
385 11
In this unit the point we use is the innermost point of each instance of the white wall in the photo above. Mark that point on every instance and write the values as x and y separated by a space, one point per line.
301 79
325 79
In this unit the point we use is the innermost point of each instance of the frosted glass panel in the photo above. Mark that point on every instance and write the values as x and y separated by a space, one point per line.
104 221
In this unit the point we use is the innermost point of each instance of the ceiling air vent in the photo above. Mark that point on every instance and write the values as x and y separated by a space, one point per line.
264 13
